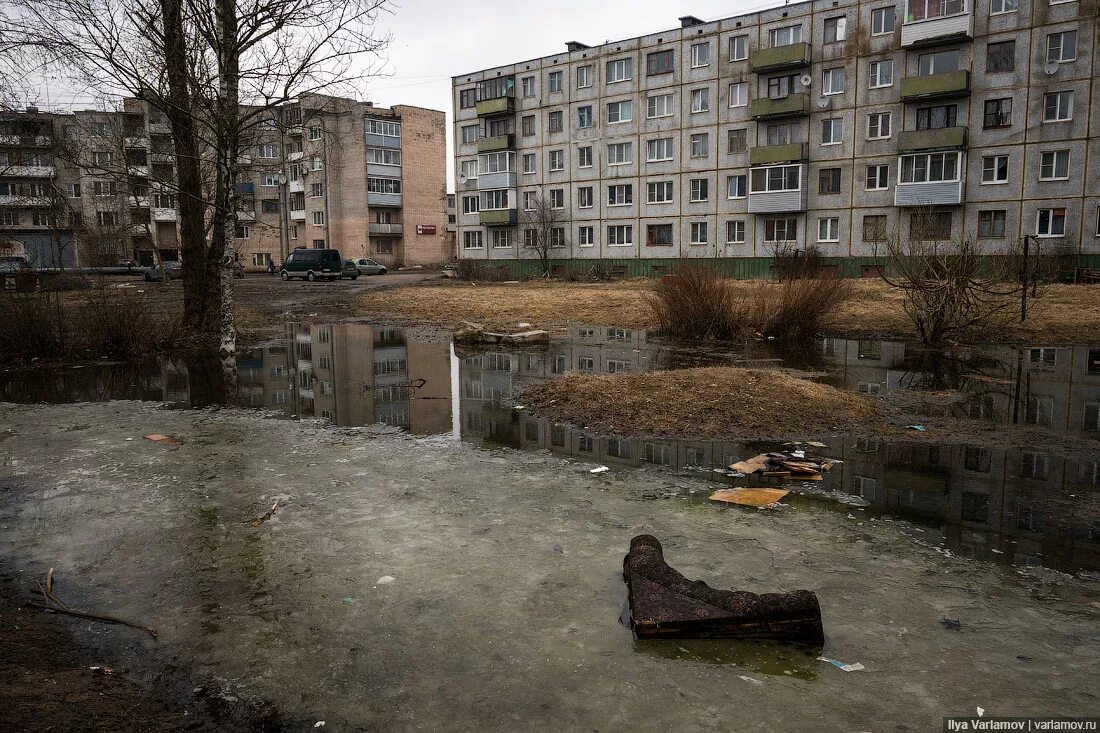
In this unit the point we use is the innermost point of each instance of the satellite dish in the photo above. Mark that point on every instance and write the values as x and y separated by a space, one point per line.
1051 69
806 80
462 177
824 103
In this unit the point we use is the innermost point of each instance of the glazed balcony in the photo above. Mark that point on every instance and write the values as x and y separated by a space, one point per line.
932 22
792 105
936 86
779 58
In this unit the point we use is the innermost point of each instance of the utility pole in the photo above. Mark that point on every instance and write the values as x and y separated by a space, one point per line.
1025 273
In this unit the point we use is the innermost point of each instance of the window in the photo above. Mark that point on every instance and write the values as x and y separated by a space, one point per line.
527 126
998 113
927 9
1042 358
557 237
620 153
11 218
620 70
1033 465
316 163
736 186
1000 56
739 48
470 204
658 235
529 163
832 131
472 240
786 36
659 192
660 62
995 169
828 181
102 158
938 62
316 190
659 149
700 144
1050 222
1091 421
386 156
528 200
502 238
835 29
878 125
882 21
586 236
930 226
557 160
72 190
104 188
584 197
1057 106
699 190
584 157
555 121
620 236
554 81
620 111
269 150
780 230
737 141
996 7
530 238
699 233
735 231
881 74
937 118
620 195
832 81
878 177
929 168
584 117
1054 165
739 94
700 100
700 55
557 198
874 228
584 77
659 105
1062 47
527 86
991 224
318 218
776 178
315 133
828 229
1039 411
502 162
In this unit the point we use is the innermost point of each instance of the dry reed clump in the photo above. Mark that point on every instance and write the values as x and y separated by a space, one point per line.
707 402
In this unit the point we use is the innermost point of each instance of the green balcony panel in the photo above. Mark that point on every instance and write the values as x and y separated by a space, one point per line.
781 57
496 106
790 106
941 139
777 154
951 84
493 144
499 217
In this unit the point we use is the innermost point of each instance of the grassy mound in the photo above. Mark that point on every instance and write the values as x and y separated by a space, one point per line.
708 402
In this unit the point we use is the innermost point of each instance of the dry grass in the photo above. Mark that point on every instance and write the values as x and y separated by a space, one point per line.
1065 313
708 402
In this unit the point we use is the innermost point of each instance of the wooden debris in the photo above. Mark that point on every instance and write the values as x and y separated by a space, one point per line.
158 438
749 497
797 467
53 603
750 465
266 515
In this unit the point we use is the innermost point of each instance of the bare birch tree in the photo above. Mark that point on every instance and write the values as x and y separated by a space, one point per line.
542 228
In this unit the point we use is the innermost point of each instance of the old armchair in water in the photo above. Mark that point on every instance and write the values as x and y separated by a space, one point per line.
665 604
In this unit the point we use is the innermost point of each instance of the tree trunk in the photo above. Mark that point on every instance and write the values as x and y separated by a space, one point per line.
229 123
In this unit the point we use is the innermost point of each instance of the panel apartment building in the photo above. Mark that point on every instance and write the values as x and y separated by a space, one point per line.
94 187
827 124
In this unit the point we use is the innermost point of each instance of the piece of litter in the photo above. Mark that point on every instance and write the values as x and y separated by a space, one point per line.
749 497
517 408
158 438
798 453
952 624
601 469
319 724
816 444
385 579
750 679
349 600
852 667
981 711
998 552
918 428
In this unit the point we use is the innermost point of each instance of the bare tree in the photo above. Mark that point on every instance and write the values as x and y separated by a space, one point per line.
543 230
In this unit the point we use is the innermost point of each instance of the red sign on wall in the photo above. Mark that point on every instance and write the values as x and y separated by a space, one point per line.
425 228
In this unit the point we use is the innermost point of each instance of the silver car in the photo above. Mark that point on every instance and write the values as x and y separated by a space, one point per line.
367 266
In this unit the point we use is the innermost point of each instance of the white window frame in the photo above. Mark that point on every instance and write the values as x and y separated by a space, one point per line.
993 169
768 178
831 225
652 105
743 187
875 132
840 23
318 218
739 44
586 236
700 100
507 237
788 34
928 168
557 198
698 190
884 180
584 76
477 237
880 14
622 232
699 144
1049 234
533 160
738 227
874 74
584 156
615 192
556 160
834 121
700 55
1062 47
738 94
554 82
618 118
581 117
624 154
655 145
620 70
527 86
1054 155
1000 7
1067 93
697 228
581 191
663 188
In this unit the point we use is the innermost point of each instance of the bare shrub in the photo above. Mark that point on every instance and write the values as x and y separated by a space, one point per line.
799 308
697 302
792 263
478 270
30 327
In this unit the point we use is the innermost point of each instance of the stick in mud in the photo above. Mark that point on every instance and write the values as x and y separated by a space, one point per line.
267 515
60 607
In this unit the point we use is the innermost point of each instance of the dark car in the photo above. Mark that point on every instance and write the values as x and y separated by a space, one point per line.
350 271
174 270
311 264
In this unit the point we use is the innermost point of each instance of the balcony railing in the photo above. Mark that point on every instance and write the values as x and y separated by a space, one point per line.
780 57
379 228
946 138
503 179
954 23
499 217
790 153
495 143
793 105
496 106
935 193
936 86
391 200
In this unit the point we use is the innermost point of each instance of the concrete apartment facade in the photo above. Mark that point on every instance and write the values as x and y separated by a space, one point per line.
825 124
96 187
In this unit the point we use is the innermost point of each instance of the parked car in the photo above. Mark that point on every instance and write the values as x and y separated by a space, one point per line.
350 271
450 269
238 270
174 270
311 264
13 264
367 266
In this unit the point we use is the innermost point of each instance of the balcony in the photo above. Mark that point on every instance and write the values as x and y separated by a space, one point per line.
792 105
765 154
136 141
388 200
374 140
378 228
936 86
784 201
489 181
941 29
164 214
30 171
246 216
496 106
499 142
938 193
160 128
766 60
294 131
295 156
163 158
27 201
297 214
947 138
298 186
384 170
499 217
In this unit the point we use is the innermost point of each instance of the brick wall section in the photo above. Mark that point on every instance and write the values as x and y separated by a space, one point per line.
424 185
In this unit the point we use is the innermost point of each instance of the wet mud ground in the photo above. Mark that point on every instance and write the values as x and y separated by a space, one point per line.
504 609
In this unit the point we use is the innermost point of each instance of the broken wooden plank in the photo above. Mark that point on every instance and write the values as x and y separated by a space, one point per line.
776 474
750 465
749 497
158 438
